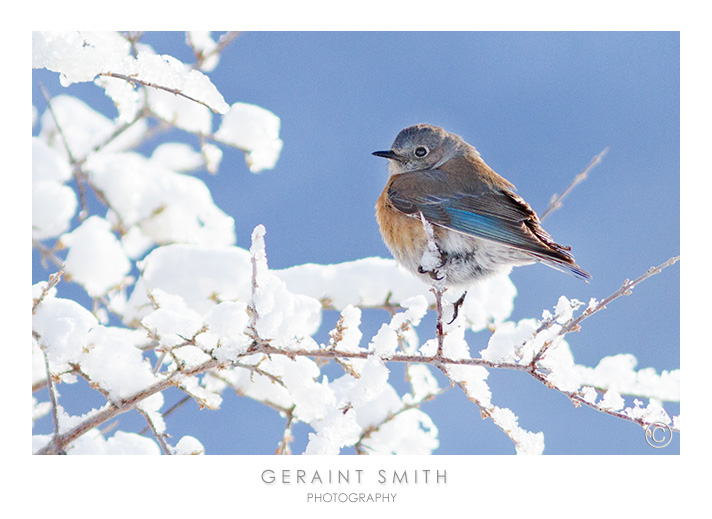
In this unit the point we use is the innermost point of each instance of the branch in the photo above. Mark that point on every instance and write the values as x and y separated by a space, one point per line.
625 290
368 431
556 200
53 399
160 437
287 438
53 280
175 91
223 42
112 409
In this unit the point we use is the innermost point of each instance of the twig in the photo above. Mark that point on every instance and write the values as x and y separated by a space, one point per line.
53 399
76 170
556 200
283 448
48 100
175 91
169 411
160 437
368 431
112 409
577 398
625 290
439 333
53 280
223 42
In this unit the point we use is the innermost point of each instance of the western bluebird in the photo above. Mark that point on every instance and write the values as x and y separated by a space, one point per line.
480 226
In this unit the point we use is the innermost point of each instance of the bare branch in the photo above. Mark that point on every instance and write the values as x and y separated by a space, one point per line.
556 200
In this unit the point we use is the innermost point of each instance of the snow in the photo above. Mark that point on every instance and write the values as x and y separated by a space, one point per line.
254 130
172 322
53 202
169 73
525 442
618 372
349 336
151 406
177 156
78 56
126 98
652 413
224 337
282 315
370 403
505 343
431 259
472 379
564 309
611 400
203 43
180 111
81 56
95 259
94 442
204 396
189 445
201 275
589 394
122 346
385 342
84 129
365 282
167 206
212 156
422 382
63 327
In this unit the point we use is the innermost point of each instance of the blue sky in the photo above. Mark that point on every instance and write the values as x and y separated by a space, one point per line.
538 106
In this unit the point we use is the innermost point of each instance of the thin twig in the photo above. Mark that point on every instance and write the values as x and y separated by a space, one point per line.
160 437
625 290
223 42
53 280
112 409
175 91
169 411
283 448
368 431
77 174
48 100
556 200
53 400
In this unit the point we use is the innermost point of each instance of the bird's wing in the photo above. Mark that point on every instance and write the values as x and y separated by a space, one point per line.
480 210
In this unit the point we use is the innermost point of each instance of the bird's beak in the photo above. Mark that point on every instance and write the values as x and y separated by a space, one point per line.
389 154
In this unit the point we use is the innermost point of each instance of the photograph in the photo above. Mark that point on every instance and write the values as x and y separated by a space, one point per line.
438 245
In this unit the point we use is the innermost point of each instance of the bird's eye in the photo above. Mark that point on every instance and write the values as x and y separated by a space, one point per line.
421 151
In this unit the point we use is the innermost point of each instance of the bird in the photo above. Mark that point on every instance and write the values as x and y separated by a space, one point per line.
480 226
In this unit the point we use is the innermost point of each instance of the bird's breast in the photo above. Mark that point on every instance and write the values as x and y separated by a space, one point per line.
403 235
